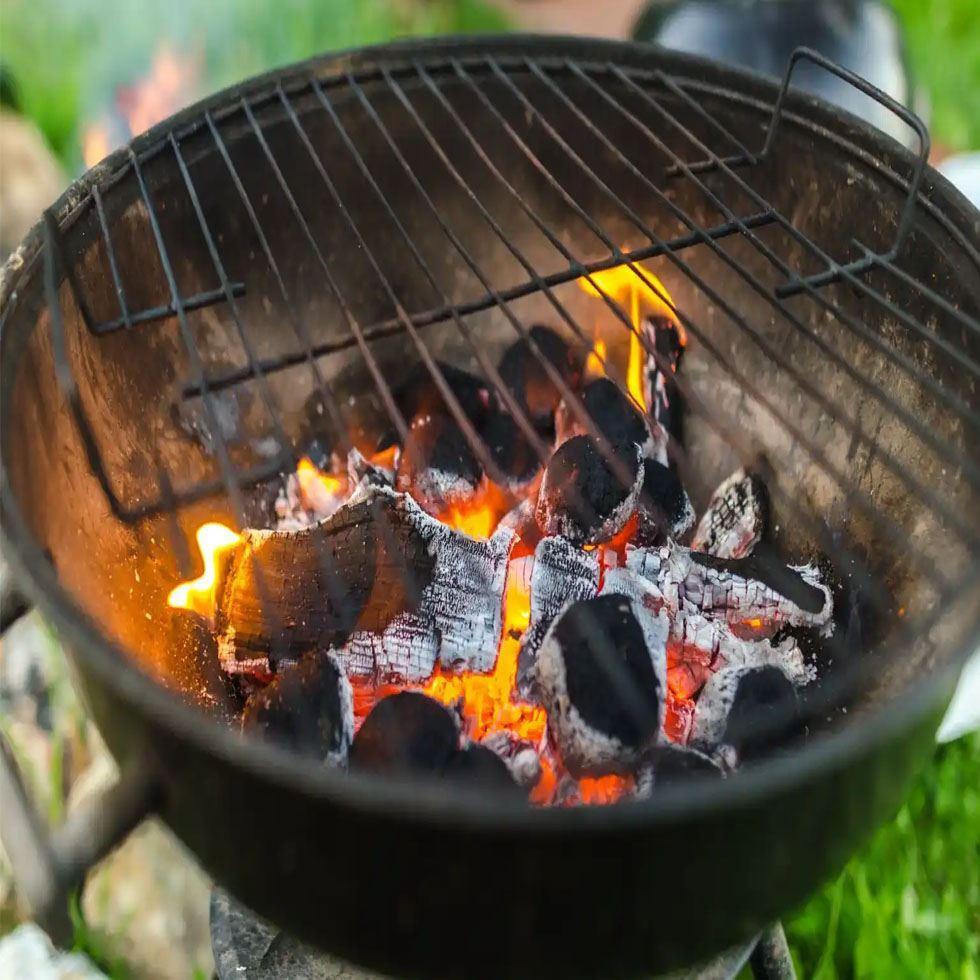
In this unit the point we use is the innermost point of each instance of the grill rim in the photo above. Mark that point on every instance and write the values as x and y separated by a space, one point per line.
410 798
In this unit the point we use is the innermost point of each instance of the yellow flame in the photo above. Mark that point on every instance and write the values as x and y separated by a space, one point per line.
595 363
198 594
640 298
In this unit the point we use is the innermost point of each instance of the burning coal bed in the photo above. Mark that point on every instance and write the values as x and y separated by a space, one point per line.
569 635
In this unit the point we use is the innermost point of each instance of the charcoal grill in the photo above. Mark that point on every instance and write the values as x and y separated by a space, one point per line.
320 228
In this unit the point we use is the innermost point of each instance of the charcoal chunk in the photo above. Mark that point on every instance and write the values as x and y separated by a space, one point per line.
599 682
523 373
510 450
668 764
476 766
735 518
518 754
307 707
664 509
765 713
419 394
614 415
583 495
437 465
406 732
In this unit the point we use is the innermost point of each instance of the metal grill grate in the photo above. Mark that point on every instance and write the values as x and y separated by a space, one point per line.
534 87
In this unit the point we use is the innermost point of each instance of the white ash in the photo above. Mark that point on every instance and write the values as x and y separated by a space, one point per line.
561 574
735 518
689 586
363 472
518 754
714 703
459 618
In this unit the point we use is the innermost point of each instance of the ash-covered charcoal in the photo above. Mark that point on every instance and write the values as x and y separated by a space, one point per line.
458 618
735 519
751 709
362 472
518 754
477 767
283 593
616 417
561 574
664 510
525 376
583 496
437 465
600 672
307 707
660 390
667 765
406 732
753 596
511 451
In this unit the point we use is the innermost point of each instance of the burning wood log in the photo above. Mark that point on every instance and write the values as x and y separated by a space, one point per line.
283 593
458 619
754 596
749 709
664 509
561 574
582 496
437 465
660 392
600 672
406 732
391 589
308 707
525 376
735 519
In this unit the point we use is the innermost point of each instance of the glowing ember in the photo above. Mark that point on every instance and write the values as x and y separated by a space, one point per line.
198 594
487 703
639 299
604 789
170 84
321 492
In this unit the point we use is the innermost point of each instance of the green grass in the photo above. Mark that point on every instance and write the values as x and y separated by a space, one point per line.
909 904
944 48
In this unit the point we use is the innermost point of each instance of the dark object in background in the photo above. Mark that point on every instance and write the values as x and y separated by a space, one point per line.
863 35
407 732
307 707
668 764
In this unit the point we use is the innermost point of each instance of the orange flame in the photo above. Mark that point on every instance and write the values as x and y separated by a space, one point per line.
320 492
640 298
604 789
169 84
198 594
486 698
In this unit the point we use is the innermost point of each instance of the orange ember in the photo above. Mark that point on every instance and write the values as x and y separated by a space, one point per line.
198 594
604 789
481 514
639 298
486 698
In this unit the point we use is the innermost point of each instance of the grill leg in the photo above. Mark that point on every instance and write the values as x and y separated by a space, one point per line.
771 960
